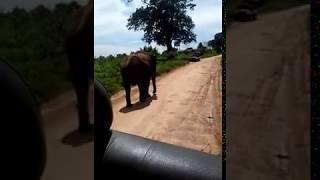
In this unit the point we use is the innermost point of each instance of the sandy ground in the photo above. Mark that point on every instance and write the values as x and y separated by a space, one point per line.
186 110
69 154
267 97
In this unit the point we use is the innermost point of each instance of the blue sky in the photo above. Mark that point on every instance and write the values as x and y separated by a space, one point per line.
111 35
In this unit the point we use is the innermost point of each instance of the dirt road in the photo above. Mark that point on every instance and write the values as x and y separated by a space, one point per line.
267 97
186 110
69 154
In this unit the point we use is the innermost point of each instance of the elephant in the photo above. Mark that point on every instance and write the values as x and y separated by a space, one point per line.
137 69
79 49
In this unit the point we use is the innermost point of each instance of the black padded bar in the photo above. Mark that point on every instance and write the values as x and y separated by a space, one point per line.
132 156
23 144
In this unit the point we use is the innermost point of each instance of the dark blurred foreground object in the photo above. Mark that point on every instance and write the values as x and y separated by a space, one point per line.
103 118
132 156
24 144
79 44
122 155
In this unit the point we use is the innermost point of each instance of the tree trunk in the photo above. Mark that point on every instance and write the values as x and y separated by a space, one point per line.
169 46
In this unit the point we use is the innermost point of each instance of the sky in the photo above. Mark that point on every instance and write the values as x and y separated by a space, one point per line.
111 35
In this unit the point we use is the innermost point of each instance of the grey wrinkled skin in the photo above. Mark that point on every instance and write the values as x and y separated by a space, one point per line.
79 47
138 69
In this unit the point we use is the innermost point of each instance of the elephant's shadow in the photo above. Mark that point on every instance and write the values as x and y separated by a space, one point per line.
139 105
75 138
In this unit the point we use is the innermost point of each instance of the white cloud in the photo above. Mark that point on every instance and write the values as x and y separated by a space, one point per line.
110 49
112 36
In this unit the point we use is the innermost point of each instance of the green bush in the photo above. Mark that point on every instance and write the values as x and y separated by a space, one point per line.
209 53
33 43
107 69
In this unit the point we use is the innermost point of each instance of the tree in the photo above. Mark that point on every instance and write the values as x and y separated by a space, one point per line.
110 57
216 43
218 39
164 22
211 43
150 49
200 46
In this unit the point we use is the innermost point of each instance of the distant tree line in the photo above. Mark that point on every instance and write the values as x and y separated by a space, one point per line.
217 43
33 42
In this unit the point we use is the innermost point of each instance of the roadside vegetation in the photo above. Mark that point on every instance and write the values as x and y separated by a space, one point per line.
33 43
107 69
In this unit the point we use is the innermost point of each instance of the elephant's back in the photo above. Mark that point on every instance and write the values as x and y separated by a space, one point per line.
144 58
134 69
136 61
78 31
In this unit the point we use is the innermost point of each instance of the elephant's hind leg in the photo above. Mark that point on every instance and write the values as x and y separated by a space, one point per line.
82 92
144 90
142 96
146 87
154 83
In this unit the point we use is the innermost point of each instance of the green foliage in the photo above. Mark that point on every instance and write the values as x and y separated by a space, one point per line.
107 69
164 22
167 66
211 43
202 49
150 49
217 43
200 46
208 53
170 54
33 42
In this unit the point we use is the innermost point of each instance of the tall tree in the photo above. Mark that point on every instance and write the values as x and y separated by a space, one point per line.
211 43
200 46
164 22
218 41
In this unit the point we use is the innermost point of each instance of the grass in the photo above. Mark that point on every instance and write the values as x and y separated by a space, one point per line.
167 66
208 54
